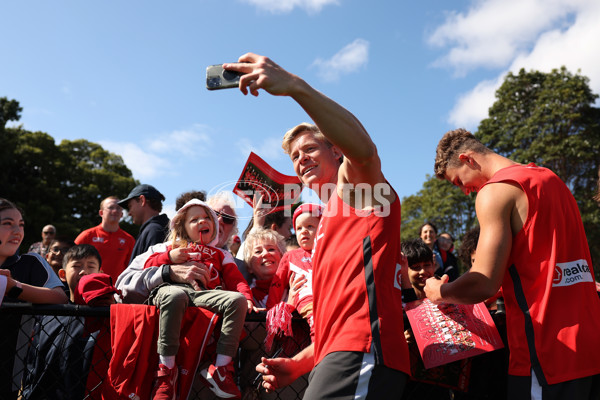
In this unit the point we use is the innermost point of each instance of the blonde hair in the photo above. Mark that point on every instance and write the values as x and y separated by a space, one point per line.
178 236
262 235
293 133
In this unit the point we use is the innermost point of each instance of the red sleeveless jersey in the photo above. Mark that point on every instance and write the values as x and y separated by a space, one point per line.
356 287
552 308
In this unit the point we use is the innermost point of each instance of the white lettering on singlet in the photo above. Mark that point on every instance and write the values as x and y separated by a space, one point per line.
571 272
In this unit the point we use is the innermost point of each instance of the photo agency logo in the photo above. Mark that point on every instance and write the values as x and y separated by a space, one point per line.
274 198
359 200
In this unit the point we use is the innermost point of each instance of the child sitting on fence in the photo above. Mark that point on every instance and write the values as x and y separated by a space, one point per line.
194 231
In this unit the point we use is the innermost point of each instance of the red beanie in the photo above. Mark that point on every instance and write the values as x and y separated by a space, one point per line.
316 210
93 286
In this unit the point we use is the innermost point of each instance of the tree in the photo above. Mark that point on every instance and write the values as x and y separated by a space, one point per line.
100 173
32 179
60 185
439 202
546 118
10 110
550 119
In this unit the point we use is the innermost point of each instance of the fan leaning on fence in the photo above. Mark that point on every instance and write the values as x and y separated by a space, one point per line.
28 276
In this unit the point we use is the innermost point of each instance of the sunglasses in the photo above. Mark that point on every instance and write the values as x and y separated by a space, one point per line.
48 232
58 250
227 219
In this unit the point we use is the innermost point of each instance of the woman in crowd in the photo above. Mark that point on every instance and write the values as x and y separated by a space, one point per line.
264 251
265 247
445 265
28 277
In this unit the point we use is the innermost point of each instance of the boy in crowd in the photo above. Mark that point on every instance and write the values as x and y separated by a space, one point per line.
80 260
62 350
420 268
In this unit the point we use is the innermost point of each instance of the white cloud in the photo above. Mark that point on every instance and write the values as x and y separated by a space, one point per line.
169 209
188 141
163 154
270 148
575 46
286 6
472 107
348 60
492 32
143 165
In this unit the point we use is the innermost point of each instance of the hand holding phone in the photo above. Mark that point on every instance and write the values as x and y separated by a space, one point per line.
219 78
257 382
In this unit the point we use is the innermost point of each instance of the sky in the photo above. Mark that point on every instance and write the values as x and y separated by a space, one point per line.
131 75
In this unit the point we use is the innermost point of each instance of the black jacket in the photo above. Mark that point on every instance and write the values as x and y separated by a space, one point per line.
152 232
58 359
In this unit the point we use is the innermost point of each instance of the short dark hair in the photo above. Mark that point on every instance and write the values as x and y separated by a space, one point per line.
450 145
81 251
416 251
277 218
187 196
62 239
155 204
468 245
449 234
430 224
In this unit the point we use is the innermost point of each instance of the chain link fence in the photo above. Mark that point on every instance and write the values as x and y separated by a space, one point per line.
63 352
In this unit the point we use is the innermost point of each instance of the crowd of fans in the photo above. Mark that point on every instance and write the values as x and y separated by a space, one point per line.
200 233
269 274
357 343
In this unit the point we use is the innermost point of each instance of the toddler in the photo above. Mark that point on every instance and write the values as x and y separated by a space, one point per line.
194 232
294 277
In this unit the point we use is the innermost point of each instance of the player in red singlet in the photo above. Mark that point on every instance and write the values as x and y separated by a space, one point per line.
359 351
532 243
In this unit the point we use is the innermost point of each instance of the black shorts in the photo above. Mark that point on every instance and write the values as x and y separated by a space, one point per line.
354 375
528 388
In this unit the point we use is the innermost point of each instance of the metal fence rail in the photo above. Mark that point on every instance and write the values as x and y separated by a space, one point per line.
62 352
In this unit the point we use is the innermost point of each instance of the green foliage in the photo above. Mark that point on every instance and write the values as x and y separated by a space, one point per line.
10 110
441 203
58 184
550 119
546 118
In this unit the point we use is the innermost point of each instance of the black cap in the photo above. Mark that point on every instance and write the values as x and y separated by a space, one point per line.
148 191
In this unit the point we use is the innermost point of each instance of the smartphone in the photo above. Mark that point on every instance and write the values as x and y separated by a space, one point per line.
257 382
219 78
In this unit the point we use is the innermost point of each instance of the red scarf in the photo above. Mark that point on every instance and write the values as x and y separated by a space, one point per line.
260 290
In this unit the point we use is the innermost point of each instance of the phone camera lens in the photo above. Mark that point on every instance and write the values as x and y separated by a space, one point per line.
230 75
214 82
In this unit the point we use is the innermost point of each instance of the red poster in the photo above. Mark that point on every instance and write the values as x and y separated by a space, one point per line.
450 332
279 191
